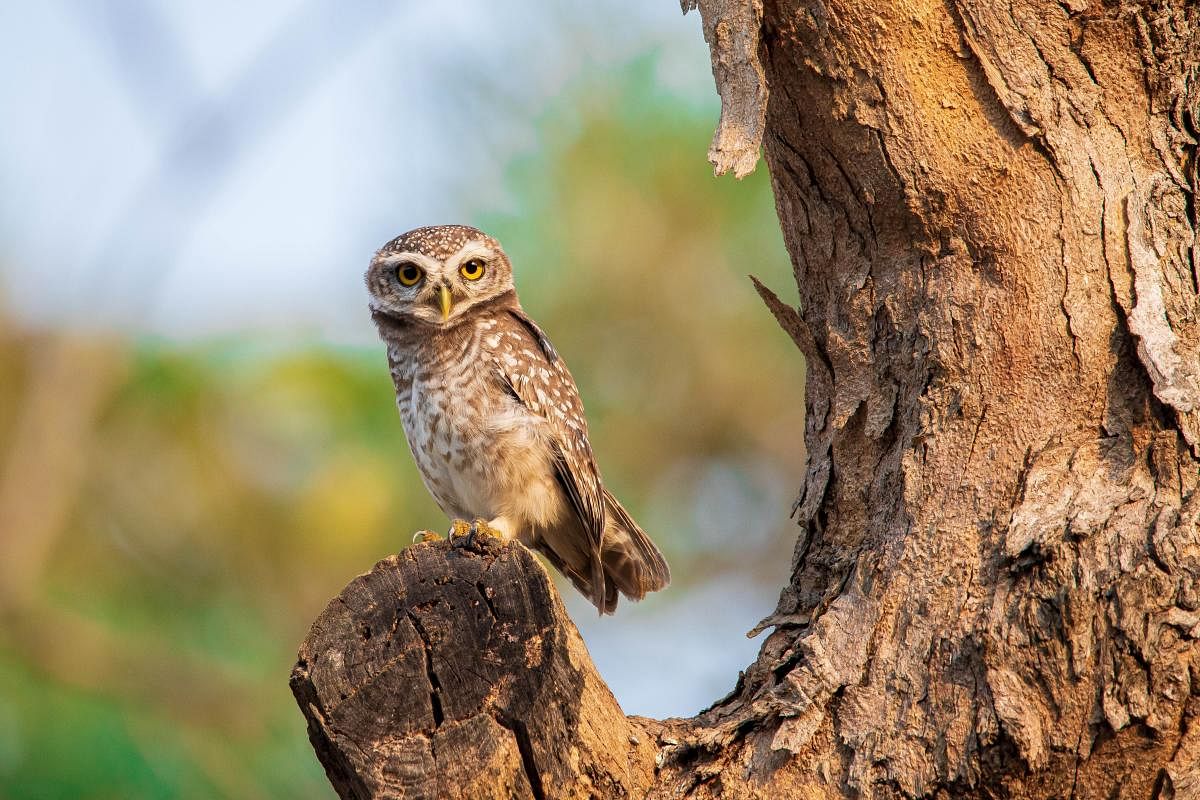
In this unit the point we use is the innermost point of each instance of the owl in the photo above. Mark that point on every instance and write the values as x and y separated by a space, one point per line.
492 415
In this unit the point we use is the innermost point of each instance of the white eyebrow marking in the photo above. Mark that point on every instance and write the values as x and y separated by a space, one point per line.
420 259
471 250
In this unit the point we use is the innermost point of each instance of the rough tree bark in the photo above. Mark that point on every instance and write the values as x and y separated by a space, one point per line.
991 212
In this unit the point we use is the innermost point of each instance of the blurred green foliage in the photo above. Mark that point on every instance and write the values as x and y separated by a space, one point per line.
214 496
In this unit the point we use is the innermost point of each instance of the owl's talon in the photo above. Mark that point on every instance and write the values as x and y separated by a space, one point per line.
467 534
459 530
426 536
480 528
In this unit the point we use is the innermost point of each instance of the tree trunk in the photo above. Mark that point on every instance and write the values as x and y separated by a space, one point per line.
992 218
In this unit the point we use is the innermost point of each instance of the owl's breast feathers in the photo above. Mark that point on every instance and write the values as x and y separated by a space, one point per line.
488 397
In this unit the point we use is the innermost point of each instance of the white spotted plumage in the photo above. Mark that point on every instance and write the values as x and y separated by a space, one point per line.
472 444
493 417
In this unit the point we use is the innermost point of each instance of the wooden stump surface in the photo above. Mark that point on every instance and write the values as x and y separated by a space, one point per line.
456 672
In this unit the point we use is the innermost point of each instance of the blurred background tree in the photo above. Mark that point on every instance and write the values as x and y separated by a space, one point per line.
187 472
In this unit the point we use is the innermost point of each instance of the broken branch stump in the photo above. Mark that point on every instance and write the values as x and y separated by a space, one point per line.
455 672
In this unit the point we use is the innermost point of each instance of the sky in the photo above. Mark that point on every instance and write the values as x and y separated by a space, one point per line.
195 169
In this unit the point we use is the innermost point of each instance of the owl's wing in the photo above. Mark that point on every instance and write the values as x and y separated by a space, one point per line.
536 332
534 374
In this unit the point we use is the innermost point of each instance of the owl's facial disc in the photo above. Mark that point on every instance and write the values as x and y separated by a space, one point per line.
435 286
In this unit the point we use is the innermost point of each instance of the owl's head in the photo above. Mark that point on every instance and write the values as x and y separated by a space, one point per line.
437 275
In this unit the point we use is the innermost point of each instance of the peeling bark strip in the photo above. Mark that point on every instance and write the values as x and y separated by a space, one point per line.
455 673
731 29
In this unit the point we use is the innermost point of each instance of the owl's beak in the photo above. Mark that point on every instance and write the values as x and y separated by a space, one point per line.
444 301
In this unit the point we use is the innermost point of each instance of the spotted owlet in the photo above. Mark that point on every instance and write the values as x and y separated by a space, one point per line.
492 415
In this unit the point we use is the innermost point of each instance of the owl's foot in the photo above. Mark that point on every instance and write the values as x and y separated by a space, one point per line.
426 536
459 529
465 534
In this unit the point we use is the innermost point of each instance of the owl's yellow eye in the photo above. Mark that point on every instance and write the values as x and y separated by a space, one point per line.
472 270
409 274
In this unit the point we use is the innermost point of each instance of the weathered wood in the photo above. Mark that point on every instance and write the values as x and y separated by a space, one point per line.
991 211
731 30
992 214
454 672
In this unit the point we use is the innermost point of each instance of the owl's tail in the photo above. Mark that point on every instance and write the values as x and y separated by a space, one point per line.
631 562
628 562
